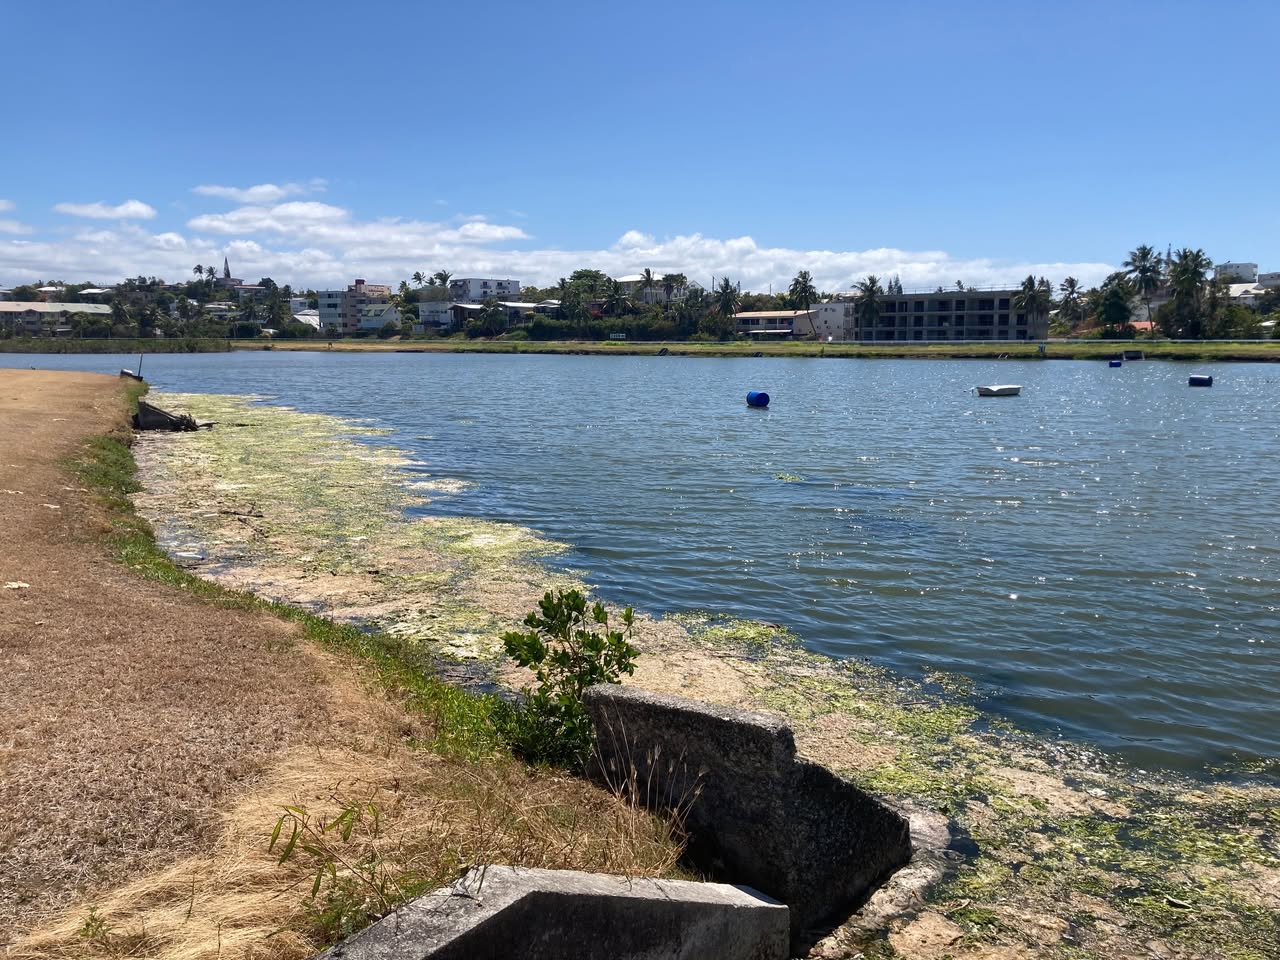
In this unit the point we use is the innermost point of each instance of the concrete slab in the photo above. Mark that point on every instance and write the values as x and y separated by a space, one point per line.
508 913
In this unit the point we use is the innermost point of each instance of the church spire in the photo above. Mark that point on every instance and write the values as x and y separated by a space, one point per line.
226 269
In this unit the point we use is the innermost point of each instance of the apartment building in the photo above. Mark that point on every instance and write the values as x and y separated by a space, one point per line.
375 316
1236 272
480 289
633 286
774 323
972 314
340 310
834 320
33 318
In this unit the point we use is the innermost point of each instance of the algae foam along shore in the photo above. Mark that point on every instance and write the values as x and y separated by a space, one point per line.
1068 847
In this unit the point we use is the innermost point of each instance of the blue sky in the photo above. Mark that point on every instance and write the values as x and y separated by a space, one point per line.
942 141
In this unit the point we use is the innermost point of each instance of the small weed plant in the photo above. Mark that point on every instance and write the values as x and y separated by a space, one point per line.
353 884
95 929
569 647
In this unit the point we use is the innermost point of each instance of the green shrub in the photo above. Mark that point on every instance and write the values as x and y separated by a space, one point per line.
569 646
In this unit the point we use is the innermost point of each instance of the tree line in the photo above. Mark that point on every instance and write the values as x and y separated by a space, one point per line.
1170 296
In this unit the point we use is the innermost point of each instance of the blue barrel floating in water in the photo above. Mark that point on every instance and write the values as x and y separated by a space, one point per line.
1199 380
1115 363
757 398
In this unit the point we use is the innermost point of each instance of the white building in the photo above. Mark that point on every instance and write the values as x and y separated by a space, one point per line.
480 289
633 286
1236 272
834 320
298 305
375 316
775 323
434 315
1269 281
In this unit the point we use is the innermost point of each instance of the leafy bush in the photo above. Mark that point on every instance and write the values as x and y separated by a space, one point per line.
569 647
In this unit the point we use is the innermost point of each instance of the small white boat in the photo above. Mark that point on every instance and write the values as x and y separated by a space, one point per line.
1000 390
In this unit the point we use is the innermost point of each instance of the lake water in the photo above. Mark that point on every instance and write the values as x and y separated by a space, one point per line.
1099 554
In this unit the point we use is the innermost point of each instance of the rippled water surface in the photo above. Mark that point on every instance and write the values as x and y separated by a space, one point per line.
1100 554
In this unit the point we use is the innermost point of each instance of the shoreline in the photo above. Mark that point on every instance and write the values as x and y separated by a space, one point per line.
1262 351
1025 802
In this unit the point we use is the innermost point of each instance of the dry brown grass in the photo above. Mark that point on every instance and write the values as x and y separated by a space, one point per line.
128 711
437 818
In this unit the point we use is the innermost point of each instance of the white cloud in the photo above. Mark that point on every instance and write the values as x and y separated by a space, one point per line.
262 192
129 210
6 204
308 243
325 225
285 218
478 232
13 226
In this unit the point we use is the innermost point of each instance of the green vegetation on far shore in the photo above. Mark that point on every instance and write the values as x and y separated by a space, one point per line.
1256 351
116 345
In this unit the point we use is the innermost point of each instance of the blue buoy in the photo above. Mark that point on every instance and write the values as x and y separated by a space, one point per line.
1199 380
757 398
1115 363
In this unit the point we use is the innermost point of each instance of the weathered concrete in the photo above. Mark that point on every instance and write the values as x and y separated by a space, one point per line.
756 813
508 913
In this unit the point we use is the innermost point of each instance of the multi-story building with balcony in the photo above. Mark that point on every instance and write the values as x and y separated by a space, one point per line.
971 314
1236 272
480 289
774 323
340 310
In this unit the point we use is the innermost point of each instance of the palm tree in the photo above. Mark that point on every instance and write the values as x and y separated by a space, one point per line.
647 282
671 282
802 291
1069 305
1033 299
616 301
419 278
1113 305
1188 276
442 277
212 273
1189 273
1145 268
198 270
728 298
868 301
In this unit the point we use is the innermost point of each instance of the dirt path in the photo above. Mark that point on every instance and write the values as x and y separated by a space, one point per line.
127 709
150 740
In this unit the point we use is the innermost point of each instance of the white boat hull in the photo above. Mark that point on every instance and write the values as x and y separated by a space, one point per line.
1000 390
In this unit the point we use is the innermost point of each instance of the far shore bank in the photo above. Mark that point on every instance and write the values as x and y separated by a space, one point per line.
1251 351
